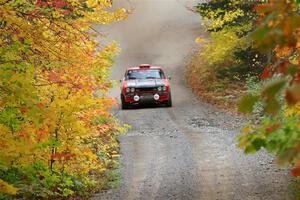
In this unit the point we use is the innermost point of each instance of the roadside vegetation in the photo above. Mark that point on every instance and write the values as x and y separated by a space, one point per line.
252 54
226 60
57 138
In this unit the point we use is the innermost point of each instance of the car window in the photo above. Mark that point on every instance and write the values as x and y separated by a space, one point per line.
145 74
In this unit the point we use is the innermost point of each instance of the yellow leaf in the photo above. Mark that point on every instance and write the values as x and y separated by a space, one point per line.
199 40
247 129
7 188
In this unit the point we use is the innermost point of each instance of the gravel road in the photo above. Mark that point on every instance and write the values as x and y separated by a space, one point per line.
187 151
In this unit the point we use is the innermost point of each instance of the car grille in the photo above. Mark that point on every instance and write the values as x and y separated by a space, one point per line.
145 89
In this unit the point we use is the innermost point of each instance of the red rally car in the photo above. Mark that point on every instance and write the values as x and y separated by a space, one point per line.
145 84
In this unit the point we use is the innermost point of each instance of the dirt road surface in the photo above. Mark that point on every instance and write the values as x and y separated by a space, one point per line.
187 151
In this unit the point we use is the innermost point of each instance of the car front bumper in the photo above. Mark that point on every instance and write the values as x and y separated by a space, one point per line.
147 97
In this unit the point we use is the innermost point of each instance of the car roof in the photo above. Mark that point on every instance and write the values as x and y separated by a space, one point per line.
144 66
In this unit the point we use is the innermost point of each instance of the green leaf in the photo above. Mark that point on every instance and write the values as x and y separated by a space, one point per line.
260 33
273 88
67 192
247 103
101 156
272 107
258 143
293 69
250 149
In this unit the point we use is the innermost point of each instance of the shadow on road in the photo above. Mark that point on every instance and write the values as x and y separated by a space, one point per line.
146 106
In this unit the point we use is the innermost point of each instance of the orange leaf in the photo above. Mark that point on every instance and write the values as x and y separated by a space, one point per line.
53 77
296 171
266 73
24 109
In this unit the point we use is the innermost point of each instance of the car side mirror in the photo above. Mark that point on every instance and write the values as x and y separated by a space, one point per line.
169 77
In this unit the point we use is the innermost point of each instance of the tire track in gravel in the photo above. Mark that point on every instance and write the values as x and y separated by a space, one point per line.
206 163
145 160
139 169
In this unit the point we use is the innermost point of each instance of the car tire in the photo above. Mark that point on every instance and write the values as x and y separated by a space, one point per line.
169 102
124 105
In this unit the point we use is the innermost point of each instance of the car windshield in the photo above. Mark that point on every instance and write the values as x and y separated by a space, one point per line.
145 74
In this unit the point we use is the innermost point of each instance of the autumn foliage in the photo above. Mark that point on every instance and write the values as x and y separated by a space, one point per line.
261 38
219 69
57 137
278 132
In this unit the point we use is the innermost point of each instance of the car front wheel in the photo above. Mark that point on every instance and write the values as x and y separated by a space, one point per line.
124 105
169 102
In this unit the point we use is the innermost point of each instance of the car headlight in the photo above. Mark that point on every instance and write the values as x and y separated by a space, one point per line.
132 89
164 88
127 90
159 89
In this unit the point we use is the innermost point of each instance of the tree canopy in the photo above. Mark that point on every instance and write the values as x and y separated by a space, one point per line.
56 133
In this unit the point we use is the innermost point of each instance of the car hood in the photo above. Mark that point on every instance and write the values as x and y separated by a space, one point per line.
145 83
